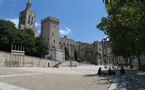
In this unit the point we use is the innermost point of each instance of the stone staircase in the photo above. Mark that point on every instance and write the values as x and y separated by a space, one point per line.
71 64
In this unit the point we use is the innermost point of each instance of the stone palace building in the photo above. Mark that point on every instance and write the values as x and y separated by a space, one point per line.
50 34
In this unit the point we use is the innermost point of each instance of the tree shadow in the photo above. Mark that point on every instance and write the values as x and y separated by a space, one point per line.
102 79
90 75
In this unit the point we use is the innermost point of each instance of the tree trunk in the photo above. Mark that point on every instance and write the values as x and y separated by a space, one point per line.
126 61
130 62
139 63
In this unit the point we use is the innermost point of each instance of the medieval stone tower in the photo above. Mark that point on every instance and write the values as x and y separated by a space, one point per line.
50 32
50 35
27 18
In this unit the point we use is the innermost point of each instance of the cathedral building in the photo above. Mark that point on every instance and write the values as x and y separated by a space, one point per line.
27 18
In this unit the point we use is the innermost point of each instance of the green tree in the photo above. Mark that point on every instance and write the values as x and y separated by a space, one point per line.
125 28
30 32
7 35
67 56
41 48
10 35
26 39
123 2
82 58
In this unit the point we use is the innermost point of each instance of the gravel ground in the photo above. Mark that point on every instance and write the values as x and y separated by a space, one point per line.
40 80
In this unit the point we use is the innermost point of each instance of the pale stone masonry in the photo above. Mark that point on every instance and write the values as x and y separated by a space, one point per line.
96 53
71 45
27 18
50 32
57 45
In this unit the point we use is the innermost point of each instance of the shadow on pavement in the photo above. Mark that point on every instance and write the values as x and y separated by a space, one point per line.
102 79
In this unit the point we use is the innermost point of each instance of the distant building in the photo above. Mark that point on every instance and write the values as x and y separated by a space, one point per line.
27 18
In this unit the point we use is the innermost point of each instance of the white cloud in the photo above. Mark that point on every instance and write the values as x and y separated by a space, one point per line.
66 31
37 24
39 31
15 21
105 37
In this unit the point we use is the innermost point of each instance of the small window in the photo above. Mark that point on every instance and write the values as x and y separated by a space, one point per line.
31 23
52 34
29 17
32 18
54 26
99 49
54 41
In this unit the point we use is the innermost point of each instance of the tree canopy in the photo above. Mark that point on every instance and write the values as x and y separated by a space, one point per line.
123 2
125 28
10 35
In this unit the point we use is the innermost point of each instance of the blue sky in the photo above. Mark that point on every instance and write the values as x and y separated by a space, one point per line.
78 18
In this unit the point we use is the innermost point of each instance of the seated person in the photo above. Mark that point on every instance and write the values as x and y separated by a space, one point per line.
111 72
122 71
99 71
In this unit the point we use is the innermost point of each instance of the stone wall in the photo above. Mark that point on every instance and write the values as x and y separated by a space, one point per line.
9 60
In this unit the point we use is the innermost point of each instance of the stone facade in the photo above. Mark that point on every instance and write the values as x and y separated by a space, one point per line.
97 53
93 52
27 18
11 60
56 54
71 45
50 35
56 44
50 32
108 56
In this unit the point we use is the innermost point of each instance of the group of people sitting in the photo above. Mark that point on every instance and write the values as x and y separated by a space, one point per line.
110 71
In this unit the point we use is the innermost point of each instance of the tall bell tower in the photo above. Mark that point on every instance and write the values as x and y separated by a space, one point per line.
27 18
28 6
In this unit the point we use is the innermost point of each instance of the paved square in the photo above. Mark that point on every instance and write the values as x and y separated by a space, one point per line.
43 78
